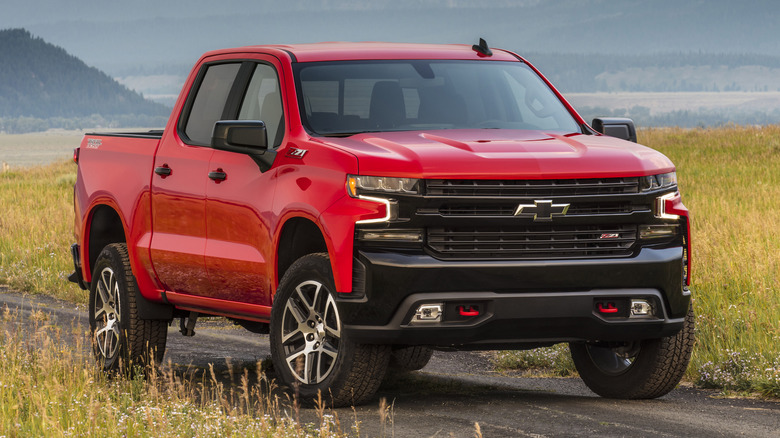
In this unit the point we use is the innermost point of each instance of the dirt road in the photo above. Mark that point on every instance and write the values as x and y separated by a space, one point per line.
457 390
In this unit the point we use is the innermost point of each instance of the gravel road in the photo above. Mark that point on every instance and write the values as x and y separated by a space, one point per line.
458 389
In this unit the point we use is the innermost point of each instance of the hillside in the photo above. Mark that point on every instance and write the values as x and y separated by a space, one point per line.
41 81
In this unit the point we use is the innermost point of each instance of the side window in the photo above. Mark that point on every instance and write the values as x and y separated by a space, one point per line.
210 101
263 101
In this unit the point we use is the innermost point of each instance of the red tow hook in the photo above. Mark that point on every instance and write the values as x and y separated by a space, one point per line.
610 308
471 311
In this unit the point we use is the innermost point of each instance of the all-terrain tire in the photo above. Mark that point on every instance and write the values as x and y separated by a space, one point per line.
645 370
121 340
309 349
410 357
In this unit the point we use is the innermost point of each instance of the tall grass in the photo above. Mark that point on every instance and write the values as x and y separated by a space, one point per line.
729 178
36 230
47 389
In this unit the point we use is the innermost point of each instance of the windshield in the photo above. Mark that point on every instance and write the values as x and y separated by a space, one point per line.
345 98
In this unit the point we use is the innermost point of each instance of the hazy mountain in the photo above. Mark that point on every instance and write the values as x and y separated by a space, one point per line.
40 80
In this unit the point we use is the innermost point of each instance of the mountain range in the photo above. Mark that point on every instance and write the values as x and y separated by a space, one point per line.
41 81
118 37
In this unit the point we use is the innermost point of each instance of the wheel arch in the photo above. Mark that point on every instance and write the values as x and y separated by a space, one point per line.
104 227
299 237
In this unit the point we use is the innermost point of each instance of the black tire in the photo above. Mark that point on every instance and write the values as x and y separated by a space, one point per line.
309 350
121 340
410 357
639 370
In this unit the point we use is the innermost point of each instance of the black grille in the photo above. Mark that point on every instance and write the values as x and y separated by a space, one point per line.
576 209
533 241
532 188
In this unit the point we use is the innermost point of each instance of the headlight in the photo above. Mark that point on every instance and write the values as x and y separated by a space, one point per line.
380 184
653 182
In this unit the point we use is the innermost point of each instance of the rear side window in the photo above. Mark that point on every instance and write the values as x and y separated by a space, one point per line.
209 102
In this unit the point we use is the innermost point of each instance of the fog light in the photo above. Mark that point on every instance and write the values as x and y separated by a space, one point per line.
427 313
641 308
657 231
390 235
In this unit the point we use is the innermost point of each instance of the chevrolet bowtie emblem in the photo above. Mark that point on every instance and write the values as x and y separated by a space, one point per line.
543 211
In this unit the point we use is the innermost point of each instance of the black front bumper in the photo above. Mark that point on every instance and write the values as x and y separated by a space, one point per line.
519 302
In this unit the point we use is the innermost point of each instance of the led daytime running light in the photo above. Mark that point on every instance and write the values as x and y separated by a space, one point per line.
655 182
379 184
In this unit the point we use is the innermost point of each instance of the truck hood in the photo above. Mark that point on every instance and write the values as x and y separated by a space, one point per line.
492 153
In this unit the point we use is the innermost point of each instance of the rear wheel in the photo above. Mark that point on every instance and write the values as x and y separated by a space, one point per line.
309 349
121 340
410 357
635 370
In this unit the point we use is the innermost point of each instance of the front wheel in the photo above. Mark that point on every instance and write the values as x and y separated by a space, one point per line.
121 340
635 370
309 349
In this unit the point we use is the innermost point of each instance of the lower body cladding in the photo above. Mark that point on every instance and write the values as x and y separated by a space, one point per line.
416 299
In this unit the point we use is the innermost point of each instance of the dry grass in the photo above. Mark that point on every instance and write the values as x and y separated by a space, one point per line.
51 387
36 230
730 180
25 150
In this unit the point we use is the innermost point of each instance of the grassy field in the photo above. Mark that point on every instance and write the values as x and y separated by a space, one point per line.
730 180
47 390
25 150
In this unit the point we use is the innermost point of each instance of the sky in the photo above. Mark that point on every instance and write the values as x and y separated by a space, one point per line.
122 37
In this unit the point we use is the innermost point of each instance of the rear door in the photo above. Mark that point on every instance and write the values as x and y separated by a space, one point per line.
179 184
239 217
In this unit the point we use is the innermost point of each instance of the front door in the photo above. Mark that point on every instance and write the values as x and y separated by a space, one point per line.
179 183
239 250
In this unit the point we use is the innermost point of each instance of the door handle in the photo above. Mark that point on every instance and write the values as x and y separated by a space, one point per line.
163 170
219 175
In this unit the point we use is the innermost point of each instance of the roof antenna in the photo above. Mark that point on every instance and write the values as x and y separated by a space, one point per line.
482 48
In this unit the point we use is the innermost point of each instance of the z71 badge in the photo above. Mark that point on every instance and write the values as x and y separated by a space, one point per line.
296 153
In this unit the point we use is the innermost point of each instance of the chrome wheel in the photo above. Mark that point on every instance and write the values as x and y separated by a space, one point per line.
107 315
311 332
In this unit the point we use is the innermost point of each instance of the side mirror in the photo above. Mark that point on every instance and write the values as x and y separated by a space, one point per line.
619 127
243 136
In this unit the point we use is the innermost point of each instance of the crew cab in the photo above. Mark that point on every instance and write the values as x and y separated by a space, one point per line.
367 203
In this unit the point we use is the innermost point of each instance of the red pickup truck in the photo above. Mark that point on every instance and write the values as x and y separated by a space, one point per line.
367 203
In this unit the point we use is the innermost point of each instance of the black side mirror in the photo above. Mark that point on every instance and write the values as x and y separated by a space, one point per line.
243 136
619 127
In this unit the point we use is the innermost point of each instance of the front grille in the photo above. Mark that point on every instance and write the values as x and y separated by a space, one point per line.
532 188
533 241
508 209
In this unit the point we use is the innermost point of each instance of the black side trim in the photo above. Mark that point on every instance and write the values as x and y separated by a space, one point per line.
237 91
151 134
292 55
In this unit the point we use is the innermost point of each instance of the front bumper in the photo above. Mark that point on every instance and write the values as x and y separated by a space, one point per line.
519 302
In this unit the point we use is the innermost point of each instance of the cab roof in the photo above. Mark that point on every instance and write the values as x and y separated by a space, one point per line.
343 51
